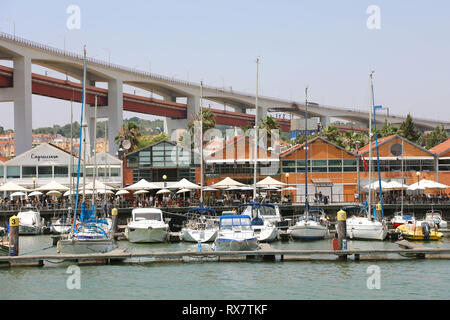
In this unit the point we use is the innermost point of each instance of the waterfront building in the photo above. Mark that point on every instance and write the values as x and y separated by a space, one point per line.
443 152
332 171
46 162
164 158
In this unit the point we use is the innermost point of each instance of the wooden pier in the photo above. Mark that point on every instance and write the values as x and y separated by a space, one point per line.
265 253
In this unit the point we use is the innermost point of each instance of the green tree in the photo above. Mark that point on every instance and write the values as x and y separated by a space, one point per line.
435 137
387 130
409 131
145 141
209 120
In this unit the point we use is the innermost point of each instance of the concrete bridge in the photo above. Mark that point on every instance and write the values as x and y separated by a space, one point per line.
24 53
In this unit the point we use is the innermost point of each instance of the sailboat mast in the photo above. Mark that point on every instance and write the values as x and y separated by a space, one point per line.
71 155
95 153
256 131
403 177
369 208
201 143
306 153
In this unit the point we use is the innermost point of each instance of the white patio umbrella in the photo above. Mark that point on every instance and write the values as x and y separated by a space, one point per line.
290 189
141 192
184 184
210 189
163 191
18 194
226 183
271 189
376 185
395 185
183 191
11 186
53 193
270 182
53 185
35 194
121 192
142 185
246 188
103 191
98 186
427 184
80 193
232 189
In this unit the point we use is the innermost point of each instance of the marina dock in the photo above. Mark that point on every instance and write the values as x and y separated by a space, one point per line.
265 253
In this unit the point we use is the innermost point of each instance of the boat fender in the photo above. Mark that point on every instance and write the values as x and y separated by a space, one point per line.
425 230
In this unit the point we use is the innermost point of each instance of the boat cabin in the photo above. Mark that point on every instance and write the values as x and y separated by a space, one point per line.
147 214
232 221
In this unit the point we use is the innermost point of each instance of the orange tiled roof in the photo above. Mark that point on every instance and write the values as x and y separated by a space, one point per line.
381 140
442 147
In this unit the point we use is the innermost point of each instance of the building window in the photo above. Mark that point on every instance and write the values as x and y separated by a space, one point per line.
2 169
45 172
61 171
89 172
13 172
28 172
102 172
115 172
444 165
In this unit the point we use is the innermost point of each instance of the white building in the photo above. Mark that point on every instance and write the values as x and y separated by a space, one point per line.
46 162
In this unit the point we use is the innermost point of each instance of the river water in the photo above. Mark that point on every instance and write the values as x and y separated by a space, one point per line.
288 280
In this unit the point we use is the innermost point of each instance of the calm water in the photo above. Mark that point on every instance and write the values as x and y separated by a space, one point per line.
418 279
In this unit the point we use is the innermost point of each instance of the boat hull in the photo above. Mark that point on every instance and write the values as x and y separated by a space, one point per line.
308 232
224 244
358 232
29 230
58 229
199 235
146 235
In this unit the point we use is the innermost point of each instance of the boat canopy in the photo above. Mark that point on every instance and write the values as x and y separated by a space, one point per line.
202 210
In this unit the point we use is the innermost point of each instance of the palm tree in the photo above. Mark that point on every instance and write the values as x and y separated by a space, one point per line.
129 131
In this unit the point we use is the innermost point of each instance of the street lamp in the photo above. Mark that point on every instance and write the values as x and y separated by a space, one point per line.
165 178
418 176
287 179
34 183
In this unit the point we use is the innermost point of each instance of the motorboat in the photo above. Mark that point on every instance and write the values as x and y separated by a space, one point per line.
434 217
4 248
399 219
61 225
313 225
147 225
419 230
361 227
235 234
265 218
200 227
30 222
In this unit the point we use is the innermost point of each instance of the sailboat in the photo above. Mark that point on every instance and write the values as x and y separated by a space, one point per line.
308 226
89 235
265 217
199 227
366 228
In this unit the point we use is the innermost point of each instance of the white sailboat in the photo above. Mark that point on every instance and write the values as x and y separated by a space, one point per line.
89 234
265 218
147 225
308 226
200 228
366 228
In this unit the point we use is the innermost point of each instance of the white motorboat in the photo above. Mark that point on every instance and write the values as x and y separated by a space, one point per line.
235 234
61 225
201 229
30 222
313 225
265 217
147 225
434 217
399 219
361 227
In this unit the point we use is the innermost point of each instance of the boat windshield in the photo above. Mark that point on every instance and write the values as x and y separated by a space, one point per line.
148 216
262 211
228 223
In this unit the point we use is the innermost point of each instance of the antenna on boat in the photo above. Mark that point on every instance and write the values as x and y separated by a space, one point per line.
369 204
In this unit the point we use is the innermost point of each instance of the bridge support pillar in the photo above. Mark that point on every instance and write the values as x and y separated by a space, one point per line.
325 121
262 112
22 105
115 112
170 125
